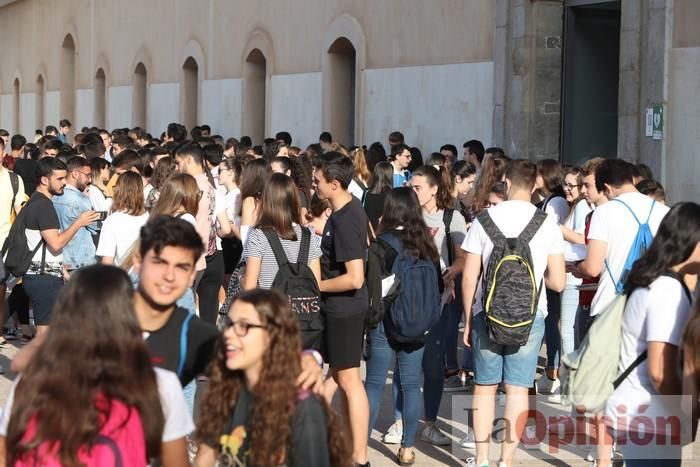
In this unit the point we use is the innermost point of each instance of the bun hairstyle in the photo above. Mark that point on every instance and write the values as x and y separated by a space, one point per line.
442 179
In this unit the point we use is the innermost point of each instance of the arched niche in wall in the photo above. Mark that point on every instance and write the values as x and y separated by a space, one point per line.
190 92
342 65
68 65
258 67
39 109
100 89
140 96
15 104
254 88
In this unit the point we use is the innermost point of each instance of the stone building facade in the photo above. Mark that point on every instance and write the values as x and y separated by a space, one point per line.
542 78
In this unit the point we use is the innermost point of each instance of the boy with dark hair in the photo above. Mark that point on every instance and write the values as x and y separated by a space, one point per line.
44 278
474 153
64 129
495 363
344 293
396 137
284 137
325 139
450 153
175 132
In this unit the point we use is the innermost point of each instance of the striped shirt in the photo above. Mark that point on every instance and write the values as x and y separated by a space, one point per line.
257 246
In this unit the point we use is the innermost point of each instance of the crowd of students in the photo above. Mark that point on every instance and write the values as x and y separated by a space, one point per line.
160 269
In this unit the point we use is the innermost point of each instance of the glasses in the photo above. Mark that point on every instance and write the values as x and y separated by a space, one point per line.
240 328
87 174
570 186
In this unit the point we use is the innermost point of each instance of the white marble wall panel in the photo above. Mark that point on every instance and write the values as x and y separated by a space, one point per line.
52 112
297 106
220 106
431 105
7 112
164 105
27 114
84 108
119 113
682 127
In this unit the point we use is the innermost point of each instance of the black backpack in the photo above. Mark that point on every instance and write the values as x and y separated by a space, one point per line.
510 292
298 282
16 254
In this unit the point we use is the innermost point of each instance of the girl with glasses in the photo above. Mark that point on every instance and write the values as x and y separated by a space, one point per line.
252 412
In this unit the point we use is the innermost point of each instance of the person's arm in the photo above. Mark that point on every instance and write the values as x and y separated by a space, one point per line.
690 388
3 452
248 211
555 275
353 279
252 272
457 267
108 260
206 456
25 354
56 240
174 453
663 368
572 236
223 229
470 280
311 376
593 265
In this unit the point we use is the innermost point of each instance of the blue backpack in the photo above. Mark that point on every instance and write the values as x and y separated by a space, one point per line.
640 245
416 306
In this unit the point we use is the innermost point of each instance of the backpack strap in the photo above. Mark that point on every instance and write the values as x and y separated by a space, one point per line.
626 373
393 241
14 180
490 227
183 344
447 215
276 246
533 226
303 257
686 290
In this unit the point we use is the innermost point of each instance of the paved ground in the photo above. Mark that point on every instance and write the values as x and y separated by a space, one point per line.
427 455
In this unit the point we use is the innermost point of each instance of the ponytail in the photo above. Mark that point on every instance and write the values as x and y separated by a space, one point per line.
442 179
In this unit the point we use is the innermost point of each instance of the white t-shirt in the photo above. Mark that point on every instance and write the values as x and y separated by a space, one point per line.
436 226
576 221
6 194
355 189
557 207
178 421
230 203
613 224
511 217
98 200
119 233
655 314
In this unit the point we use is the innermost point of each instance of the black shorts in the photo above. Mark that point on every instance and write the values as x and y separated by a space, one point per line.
232 249
342 339
42 290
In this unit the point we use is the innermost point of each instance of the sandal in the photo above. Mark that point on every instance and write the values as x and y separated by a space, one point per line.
3 343
403 460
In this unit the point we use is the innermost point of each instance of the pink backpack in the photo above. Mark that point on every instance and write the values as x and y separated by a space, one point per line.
121 442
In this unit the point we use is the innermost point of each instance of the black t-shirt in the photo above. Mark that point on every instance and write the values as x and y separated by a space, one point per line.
374 207
309 440
40 215
26 168
344 239
164 345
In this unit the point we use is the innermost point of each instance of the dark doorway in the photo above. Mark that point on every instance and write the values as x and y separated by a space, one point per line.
190 92
341 69
254 84
590 79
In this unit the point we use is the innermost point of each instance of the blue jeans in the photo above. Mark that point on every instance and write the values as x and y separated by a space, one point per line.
455 312
652 455
433 372
552 337
378 365
569 306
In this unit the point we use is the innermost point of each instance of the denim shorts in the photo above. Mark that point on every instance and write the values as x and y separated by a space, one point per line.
496 363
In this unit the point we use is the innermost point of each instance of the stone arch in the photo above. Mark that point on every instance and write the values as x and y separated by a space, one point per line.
68 80
100 85
16 93
193 66
343 43
258 63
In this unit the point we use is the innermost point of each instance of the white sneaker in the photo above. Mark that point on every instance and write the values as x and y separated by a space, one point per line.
531 434
468 442
556 398
547 386
394 434
592 454
432 434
